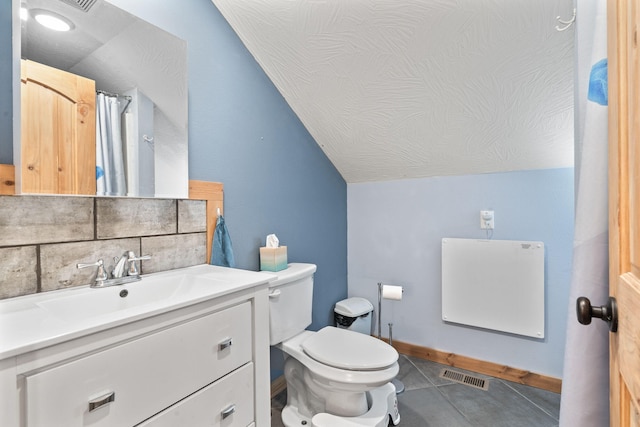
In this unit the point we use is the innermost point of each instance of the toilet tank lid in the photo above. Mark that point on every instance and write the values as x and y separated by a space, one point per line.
294 271
353 307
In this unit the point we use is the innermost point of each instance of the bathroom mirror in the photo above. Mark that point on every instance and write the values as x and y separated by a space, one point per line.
124 55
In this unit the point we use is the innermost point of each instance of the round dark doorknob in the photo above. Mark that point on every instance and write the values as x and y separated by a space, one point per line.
608 313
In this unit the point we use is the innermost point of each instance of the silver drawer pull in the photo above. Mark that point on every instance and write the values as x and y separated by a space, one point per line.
228 411
275 294
101 401
225 344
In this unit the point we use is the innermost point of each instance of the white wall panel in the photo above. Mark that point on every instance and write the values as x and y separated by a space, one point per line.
494 284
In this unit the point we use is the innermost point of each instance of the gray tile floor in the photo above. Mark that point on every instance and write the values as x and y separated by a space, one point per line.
432 401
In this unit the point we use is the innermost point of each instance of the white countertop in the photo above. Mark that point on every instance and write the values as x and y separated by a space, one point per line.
36 321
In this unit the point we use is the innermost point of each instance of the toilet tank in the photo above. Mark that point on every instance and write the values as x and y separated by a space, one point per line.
290 301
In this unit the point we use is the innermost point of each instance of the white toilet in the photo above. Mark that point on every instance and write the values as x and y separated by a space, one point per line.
335 377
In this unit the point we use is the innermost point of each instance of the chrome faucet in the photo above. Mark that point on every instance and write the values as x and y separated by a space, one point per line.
119 270
133 265
127 265
125 271
101 273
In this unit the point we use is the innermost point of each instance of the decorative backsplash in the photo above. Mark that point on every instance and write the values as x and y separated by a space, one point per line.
42 238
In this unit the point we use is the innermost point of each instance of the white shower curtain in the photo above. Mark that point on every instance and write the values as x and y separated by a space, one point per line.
110 175
585 385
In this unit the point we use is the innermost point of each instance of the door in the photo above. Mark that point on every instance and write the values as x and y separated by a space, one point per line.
58 149
624 208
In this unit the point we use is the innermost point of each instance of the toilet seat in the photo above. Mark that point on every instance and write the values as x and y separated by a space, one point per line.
343 379
344 349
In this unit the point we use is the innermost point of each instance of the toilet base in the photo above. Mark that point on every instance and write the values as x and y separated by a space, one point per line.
384 407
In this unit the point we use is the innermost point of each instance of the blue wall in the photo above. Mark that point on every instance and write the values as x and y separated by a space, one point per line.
243 133
395 233
277 180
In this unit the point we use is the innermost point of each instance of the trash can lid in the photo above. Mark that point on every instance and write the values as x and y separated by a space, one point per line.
353 307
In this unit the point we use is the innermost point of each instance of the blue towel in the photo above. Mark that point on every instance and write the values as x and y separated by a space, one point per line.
222 251
598 83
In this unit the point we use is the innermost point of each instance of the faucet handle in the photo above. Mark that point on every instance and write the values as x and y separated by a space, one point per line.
133 267
101 273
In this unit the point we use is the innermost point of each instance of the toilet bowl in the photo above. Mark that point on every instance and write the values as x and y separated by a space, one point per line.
338 367
333 374
384 407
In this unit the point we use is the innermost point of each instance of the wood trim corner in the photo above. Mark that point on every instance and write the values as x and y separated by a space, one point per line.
213 193
278 385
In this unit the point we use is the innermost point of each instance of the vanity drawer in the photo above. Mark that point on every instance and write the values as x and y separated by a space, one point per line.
227 402
128 383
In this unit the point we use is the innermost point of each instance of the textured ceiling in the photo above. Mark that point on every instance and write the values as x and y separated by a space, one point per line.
394 89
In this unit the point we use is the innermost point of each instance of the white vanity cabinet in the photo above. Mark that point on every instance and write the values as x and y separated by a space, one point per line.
226 402
200 365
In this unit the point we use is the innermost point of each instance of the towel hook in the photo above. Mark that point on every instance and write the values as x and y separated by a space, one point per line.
566 24
218 212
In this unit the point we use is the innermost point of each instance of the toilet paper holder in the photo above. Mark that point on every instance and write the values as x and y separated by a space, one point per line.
387 292
394 293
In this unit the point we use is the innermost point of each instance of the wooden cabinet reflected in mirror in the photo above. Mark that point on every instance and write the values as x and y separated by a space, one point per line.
58 131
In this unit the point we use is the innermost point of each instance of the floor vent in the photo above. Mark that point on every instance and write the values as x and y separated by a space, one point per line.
465 379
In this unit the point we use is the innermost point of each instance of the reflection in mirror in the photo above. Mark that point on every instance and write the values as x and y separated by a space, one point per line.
144 67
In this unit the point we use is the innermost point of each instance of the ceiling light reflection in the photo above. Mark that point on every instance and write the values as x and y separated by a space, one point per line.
52 20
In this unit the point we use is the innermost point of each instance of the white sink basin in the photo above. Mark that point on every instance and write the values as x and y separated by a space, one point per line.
150 291
35 321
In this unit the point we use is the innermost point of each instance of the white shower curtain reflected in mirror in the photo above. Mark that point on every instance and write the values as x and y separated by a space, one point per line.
585 382
110 175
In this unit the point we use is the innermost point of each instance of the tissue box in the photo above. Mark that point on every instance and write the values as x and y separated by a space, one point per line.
273 259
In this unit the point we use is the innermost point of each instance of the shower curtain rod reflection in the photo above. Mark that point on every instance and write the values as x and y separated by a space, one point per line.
117 95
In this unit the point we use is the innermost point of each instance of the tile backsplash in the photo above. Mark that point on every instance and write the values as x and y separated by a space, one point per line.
42 238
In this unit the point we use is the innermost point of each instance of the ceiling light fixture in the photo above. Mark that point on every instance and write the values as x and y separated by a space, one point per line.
52 20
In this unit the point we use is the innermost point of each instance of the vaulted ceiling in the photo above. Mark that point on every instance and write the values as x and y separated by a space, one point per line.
395 89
